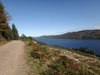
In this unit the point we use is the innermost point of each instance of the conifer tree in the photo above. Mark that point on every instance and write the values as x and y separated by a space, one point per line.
5 30
15 32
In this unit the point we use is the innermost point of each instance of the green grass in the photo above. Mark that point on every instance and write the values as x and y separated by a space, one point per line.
30 59
34 64
96 70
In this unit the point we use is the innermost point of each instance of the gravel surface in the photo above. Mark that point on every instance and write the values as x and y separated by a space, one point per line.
12 59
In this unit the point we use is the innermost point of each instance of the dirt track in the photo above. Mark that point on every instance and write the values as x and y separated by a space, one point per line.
12 61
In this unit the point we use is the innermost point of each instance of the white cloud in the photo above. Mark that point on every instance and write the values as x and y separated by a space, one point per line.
96 27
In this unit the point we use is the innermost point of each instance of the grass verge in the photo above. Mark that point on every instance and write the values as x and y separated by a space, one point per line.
35 68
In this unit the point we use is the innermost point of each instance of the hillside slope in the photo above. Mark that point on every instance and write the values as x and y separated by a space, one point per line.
85 34
52 60
2 39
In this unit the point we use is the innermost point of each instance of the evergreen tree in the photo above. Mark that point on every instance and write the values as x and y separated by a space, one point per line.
5 30
15 32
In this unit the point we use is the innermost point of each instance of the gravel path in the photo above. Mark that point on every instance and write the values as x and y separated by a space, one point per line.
12 61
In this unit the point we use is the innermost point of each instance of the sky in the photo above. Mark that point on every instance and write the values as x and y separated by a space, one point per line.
53 17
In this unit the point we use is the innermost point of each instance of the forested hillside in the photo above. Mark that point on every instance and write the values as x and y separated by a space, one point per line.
85 34
6 33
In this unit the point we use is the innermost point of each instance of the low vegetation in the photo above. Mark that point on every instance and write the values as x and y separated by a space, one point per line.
44 61
82 50
2 40
87 51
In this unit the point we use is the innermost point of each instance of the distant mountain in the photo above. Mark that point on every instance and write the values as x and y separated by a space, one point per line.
85 34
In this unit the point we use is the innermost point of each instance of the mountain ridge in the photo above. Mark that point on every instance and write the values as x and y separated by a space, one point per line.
84 34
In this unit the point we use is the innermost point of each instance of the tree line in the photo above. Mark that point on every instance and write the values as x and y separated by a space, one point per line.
5 30
86 50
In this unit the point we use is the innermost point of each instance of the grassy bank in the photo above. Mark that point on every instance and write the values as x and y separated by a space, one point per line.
44 61
33 62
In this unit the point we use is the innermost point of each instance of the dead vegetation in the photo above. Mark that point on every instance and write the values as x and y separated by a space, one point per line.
55 61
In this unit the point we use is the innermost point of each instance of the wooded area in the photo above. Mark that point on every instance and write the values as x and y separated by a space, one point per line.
6 32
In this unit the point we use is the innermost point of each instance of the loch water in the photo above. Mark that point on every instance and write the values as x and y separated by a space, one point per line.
93 44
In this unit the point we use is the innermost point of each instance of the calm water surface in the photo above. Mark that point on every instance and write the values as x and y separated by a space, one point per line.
73 43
